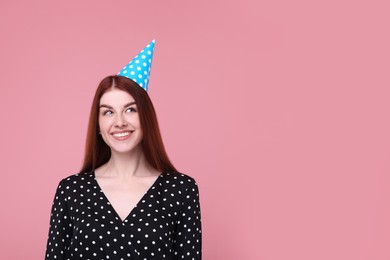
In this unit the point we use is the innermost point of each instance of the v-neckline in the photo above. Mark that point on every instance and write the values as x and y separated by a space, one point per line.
136 205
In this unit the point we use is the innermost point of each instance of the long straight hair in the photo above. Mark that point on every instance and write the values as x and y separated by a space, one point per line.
97 152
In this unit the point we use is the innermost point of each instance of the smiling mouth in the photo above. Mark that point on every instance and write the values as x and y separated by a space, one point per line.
122 134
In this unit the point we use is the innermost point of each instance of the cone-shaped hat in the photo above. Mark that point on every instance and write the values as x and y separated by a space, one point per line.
138 69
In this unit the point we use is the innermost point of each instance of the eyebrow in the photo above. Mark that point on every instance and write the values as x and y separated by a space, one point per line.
110 107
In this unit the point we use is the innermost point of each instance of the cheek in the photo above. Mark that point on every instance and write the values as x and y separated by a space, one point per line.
100 125
133 119
138 124
103 130
138 121
103 123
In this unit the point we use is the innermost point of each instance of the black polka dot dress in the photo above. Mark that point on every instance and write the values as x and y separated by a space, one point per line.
165 224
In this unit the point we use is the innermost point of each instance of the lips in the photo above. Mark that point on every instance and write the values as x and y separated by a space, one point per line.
121 135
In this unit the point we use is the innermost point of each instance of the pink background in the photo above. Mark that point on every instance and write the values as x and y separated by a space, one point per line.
278 108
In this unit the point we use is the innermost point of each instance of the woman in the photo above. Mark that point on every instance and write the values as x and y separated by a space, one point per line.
128 202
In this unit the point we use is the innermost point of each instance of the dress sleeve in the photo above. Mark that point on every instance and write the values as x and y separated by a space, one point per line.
60 231
187 243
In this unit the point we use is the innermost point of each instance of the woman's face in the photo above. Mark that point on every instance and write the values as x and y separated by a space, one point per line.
119 122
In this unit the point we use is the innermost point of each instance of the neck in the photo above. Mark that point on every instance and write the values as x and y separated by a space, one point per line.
125 165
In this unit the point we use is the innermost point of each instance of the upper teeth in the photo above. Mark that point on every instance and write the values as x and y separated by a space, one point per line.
121 134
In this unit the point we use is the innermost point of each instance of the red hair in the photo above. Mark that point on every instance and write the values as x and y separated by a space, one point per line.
97 152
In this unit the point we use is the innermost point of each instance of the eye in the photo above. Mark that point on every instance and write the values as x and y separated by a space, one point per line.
107 112
131 109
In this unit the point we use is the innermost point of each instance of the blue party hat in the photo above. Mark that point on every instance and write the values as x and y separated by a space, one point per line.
138 69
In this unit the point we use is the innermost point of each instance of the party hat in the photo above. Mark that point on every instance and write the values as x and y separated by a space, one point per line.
138 69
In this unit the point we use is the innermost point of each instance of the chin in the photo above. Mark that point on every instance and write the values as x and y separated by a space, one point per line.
123 150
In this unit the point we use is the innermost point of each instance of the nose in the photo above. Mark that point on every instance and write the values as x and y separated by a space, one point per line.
120 121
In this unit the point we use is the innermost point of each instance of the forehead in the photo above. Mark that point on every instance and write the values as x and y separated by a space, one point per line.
116 97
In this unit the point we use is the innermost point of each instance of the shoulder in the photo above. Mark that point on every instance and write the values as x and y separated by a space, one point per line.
179 180
185 186
74 180
178 177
